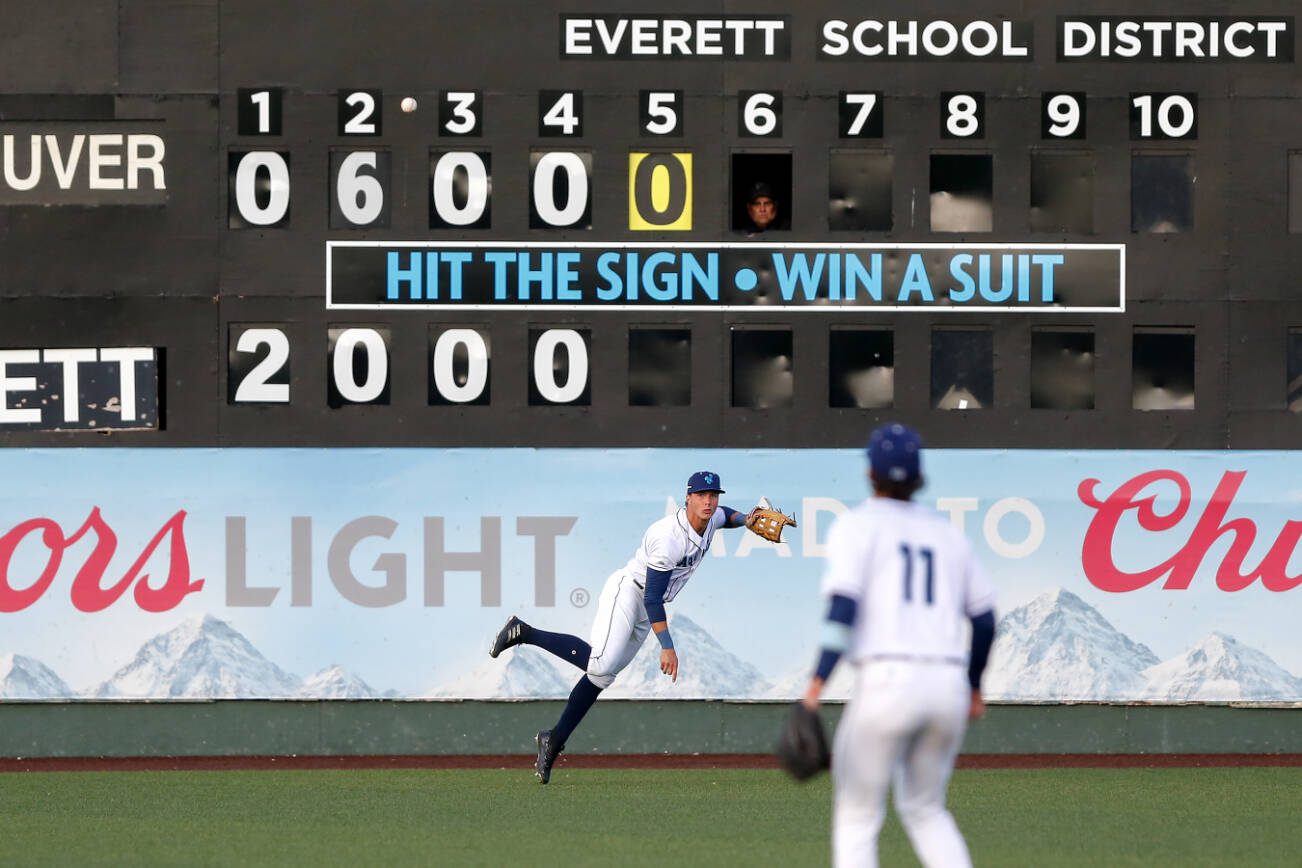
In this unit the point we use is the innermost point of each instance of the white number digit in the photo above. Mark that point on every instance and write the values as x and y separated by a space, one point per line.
1064 112
661 107
1145 106
246 176
360 124
1164 121
477 365
960 115
262 99
758 114
866 102
360 197
377 365
544 188
444 182
463 118
255 388
562 114
544 359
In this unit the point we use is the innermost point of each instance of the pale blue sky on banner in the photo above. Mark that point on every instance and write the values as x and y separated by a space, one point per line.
761 606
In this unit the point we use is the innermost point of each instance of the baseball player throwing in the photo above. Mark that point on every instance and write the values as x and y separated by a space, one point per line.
632 604
901 581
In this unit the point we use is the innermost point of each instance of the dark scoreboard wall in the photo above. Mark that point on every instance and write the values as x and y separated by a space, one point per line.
1189 163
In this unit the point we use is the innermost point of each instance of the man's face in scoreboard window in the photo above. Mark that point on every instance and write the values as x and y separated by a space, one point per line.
762 208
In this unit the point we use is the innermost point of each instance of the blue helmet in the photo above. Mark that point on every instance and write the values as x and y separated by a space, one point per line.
704 480
895 453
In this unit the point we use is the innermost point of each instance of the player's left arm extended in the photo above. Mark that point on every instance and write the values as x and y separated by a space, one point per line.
733 518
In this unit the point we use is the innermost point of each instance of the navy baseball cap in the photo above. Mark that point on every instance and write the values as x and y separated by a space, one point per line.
758 189
895 453
704 480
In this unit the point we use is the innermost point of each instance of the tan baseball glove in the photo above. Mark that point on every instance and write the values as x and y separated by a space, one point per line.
768 522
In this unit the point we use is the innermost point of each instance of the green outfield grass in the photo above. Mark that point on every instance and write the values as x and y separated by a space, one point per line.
591 817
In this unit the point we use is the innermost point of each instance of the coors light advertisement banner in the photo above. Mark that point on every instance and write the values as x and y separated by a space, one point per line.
153 574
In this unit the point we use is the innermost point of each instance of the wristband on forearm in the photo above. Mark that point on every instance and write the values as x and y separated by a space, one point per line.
837 634
666 641
827 661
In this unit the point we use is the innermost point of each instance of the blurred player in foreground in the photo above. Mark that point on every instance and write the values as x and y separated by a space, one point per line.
901 582
632 604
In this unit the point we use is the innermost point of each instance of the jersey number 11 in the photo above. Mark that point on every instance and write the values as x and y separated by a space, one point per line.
924 554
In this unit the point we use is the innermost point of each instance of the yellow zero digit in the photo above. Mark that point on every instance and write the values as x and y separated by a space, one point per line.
660 191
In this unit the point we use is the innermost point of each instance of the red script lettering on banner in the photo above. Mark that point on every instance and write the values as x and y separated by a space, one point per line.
88 594
1180 568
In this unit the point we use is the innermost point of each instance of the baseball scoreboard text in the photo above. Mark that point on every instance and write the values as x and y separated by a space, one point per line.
659 185
87 389
589 201
434 275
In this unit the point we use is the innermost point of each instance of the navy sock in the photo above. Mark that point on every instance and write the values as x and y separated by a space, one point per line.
581 698
569 648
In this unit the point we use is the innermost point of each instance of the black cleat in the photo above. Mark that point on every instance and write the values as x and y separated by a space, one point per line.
547 754
511 634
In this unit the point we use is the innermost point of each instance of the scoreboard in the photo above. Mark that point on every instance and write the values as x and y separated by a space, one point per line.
230 223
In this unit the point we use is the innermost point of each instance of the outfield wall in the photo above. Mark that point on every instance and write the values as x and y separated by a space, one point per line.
354 728
269 574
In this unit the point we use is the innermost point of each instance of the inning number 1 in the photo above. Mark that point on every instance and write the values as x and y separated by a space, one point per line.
924 555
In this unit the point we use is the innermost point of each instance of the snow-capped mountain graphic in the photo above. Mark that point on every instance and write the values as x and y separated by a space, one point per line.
793 684
1055 648
521 672
203 658
525 672
27 678
706 669
1058 647
1221 669
336 682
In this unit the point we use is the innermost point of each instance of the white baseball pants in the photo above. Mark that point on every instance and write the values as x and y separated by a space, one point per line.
904 723
620 628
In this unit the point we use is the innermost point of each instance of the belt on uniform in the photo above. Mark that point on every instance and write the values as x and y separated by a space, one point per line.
916 658
640 586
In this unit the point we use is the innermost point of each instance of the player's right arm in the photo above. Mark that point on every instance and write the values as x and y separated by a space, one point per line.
843 586
979 603
838 629
657 583
660 557
983 636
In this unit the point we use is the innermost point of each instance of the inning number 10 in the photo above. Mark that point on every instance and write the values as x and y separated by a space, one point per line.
924 555
1175 114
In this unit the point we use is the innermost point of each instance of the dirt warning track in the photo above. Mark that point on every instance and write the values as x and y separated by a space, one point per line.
616 761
